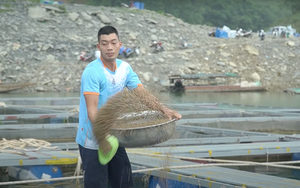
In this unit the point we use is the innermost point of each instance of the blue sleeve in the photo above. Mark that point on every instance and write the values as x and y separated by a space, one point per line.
90 81
133 80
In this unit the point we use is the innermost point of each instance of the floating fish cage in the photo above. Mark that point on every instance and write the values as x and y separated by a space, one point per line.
8 110
207 130
39 123
22 115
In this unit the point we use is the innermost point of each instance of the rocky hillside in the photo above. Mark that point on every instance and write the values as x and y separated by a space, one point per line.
42 44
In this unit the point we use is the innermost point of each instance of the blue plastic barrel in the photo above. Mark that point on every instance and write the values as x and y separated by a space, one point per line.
137 5
142 5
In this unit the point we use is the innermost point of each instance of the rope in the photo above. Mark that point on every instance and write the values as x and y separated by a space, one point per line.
76 110
21 144
274 164
2 104
78 168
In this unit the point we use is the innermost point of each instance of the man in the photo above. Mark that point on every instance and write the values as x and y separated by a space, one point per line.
262 34
101 79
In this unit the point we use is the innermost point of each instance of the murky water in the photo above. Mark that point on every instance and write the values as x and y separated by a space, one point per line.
279 99
259 99
253 98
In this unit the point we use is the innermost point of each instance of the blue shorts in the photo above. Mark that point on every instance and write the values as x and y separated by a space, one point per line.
117 171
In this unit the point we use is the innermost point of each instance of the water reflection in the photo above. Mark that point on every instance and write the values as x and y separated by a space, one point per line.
247 98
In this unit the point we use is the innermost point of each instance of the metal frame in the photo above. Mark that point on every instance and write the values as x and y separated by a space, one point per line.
220 175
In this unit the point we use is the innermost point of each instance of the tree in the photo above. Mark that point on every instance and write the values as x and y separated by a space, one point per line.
247 14
294 4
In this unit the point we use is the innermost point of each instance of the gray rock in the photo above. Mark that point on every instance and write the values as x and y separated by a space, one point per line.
61 47
38 13
52 8
224 54
12 76
221 63
232 64
79 21
151 21
55 81
155 79
153 37
40 89
251 50
153 30
171 24
192 66
161 60
222 45
120 22
3 52
259 69
73 16
132 36
85 16
50 58
291 55
104 18
290 43
46 47
255 77
146 76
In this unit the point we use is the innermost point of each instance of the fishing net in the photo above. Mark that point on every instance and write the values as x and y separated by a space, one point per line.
135 118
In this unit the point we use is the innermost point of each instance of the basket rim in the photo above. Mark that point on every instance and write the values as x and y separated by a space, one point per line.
139 128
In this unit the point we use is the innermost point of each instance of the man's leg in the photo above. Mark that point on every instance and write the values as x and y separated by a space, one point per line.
119 170
95 174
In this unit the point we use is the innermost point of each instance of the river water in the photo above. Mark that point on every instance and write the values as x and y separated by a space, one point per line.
279 99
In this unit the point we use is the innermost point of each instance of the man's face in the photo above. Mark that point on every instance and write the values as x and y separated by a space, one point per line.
109 46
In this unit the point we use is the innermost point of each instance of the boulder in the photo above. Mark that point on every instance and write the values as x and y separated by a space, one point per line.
38 13
251 50
255 77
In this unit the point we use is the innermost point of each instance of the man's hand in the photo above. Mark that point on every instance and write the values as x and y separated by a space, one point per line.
152 102
171 113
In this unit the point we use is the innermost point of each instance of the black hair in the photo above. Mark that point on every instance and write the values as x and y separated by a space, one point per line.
106 30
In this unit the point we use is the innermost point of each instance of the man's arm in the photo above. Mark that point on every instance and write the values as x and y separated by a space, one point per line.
91 106
153 103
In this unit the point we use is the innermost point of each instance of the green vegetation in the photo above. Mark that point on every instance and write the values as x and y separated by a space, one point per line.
5 11
294 5
6 5
292 20
62 8
7 8
35 1
247 14
293 17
